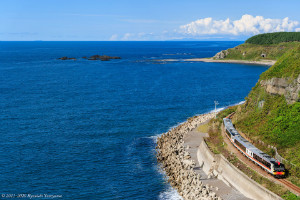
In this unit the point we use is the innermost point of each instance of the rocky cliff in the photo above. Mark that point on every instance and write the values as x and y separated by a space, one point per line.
283 86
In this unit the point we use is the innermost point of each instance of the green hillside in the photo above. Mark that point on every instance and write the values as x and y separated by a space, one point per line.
274 38
268 46
256 52
269 118
286 66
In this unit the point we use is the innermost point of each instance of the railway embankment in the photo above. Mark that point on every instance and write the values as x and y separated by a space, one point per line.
224 170
197 173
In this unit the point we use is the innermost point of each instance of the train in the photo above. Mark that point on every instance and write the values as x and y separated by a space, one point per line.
266 162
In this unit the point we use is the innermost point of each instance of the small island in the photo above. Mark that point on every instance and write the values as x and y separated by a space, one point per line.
94 57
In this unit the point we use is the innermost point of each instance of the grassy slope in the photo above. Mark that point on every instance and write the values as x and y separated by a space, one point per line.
216 145
288 65
277 123
254 51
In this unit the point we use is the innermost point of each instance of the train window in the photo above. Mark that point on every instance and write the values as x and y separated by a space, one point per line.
257 157
267 164
228 133
262 161
240 145
278 167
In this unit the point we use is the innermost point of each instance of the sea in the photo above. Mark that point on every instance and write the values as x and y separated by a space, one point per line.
86 129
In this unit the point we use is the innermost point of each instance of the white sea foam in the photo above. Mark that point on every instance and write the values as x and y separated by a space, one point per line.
170 194
154 137
223 108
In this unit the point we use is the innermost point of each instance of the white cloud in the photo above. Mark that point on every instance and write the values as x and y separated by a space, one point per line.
114 37
127 36
138 36
247 25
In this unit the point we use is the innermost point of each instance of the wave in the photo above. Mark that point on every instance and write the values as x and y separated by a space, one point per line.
154 137
170 194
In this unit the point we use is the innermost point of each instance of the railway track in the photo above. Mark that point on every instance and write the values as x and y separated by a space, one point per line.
290 185
293 188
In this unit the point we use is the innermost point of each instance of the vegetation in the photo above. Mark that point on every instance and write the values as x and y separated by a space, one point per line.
267 119
203 128
216 145
274 38
287 65
254 52
276 122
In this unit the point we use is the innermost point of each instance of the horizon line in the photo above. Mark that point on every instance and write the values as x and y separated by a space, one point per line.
122 41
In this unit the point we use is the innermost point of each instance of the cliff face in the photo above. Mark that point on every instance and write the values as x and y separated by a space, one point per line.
283 86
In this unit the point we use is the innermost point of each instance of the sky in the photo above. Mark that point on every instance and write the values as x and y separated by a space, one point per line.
144 20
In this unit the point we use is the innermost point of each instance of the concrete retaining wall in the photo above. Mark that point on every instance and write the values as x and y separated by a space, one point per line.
205 157
232 175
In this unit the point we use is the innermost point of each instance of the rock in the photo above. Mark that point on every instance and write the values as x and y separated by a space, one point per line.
283 86
176 162
66 58
103 58
221 55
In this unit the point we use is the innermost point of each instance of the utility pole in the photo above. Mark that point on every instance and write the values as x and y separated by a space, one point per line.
216 103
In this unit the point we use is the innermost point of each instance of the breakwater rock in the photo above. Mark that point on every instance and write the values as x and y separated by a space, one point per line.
176 162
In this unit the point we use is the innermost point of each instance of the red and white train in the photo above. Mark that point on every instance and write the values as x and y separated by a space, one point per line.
262 159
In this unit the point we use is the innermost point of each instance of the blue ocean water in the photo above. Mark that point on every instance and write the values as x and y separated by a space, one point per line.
86 129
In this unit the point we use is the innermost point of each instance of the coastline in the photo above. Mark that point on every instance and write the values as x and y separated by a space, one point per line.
175 160
195 172
210 60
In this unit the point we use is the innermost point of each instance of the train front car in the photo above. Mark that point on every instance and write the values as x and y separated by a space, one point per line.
278 169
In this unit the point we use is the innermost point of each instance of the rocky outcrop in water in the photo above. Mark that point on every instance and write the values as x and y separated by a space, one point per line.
94 57
103 58
176 162
66 58
283 86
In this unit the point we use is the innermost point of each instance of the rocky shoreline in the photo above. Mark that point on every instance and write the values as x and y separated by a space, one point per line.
175 160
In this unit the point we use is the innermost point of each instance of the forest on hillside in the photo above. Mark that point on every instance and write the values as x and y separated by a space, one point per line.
274 38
